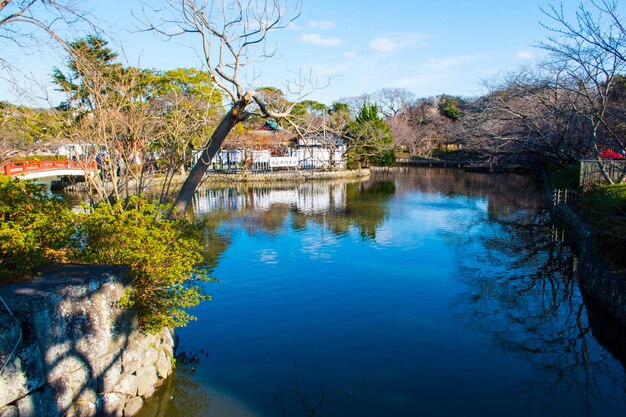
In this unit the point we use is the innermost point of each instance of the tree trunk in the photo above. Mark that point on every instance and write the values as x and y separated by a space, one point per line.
189 187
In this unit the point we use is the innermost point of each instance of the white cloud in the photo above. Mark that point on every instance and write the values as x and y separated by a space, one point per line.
350 55
268 256
524 54
322 24
315 39
392 42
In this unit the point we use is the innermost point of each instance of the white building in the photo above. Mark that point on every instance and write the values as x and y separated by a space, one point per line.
320 154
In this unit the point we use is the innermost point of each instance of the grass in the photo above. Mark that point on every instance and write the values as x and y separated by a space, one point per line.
605 207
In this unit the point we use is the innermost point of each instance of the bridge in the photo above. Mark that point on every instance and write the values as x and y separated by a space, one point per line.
49 169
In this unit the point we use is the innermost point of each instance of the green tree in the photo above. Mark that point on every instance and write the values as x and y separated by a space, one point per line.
309 107
24 129
188 107
449 107
167 261
134 116
370 139
90 59
338 107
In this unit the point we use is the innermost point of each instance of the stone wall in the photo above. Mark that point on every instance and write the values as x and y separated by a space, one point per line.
605 285
67 350
285 176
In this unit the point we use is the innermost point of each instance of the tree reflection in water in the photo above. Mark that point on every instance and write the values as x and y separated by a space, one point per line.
338 206
364 208
532 307
180 395
528 305
298 401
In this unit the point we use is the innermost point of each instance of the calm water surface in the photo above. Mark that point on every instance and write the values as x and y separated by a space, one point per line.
419 292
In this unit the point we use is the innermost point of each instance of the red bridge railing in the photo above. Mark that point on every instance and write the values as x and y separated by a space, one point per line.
24 167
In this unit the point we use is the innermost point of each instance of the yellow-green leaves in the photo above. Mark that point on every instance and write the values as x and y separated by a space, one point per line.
165 259
35 228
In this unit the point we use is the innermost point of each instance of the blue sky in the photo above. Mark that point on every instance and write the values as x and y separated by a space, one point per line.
427 47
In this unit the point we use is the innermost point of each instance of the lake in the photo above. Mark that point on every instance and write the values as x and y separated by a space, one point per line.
417 292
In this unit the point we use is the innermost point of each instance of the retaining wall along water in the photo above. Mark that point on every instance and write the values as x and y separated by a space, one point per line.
67 350
606 285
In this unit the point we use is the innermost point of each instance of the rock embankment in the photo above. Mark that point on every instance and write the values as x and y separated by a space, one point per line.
268 177
606 285
67 350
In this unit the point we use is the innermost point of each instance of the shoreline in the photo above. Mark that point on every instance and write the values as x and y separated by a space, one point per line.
278 176
246 178
606 285
603 283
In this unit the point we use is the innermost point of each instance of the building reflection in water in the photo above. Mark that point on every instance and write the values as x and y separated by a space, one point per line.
529 304
337 205
308 198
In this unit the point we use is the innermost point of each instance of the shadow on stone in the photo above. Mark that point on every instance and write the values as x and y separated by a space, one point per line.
78 353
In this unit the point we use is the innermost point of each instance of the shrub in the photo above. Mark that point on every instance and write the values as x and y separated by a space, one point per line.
35 228
606 207
165 258
386 157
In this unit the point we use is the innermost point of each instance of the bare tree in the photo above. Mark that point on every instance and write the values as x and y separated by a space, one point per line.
600 27
187 106
528 115
393 101
314 124
568 108
232 35
588 55
133 121
390 101
404 136
355 103
109 120
421 127
29 23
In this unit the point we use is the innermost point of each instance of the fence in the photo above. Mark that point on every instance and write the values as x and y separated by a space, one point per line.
564 196
591 171
310 159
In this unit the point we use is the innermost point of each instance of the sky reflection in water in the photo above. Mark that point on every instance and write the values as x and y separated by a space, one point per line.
418 292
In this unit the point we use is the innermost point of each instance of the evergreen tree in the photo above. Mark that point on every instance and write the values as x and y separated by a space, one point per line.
371 137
